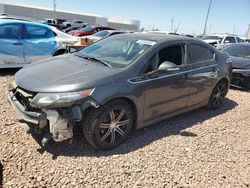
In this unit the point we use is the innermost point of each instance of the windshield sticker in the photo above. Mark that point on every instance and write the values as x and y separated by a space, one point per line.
147 42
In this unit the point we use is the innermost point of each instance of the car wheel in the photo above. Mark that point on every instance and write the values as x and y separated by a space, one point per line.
108 126
218 95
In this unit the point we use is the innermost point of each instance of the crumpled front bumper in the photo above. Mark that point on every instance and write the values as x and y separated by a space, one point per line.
56 126
35 118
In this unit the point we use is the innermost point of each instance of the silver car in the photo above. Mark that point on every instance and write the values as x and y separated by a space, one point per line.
22 42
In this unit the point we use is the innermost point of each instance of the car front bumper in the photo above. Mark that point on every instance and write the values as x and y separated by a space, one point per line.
57 123
241 78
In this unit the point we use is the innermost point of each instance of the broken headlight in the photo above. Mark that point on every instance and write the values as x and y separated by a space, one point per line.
45 100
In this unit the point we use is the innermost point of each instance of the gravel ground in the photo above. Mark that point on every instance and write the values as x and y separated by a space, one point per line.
202 148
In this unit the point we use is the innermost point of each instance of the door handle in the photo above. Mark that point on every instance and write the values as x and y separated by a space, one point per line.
185 76
17 43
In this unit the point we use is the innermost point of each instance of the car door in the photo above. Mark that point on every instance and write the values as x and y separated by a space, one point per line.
39 42
202 73
165 93
11 45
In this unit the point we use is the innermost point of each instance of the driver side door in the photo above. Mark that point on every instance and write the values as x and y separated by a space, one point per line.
166 93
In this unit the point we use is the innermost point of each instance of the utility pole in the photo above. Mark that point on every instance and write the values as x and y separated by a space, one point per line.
208 11
54 11
172 24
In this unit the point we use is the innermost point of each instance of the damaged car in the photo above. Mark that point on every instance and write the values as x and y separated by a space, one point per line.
240 56
118 84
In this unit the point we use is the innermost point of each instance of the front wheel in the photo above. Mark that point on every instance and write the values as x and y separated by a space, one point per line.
108 126
218 95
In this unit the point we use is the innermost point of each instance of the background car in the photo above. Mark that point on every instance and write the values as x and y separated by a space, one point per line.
240 56
100 35
23 42
217 40
119 83
68 29
89 30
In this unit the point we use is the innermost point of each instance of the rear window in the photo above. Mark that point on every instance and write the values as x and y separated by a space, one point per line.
200 53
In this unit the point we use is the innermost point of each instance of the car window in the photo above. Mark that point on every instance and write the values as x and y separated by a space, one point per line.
229 40
238 39
101 33
200 53
173 53
37 32
10 31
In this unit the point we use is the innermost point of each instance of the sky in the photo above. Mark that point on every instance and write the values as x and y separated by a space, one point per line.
226 16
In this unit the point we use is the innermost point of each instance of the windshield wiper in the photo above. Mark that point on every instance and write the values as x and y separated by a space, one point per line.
92 58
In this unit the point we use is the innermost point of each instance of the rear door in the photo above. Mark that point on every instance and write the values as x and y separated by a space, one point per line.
11 45
39 42
203 73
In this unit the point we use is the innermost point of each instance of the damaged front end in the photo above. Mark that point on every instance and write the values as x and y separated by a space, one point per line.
52 114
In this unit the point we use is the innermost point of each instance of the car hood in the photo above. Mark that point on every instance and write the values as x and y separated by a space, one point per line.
211 41
240 62
63 73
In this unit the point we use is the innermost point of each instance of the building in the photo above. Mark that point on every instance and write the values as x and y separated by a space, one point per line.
40 13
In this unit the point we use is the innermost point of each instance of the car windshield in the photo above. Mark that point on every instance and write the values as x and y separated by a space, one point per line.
238 50
101 34
211 38
118 51
89 28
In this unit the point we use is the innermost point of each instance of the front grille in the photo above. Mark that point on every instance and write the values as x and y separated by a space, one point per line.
24 97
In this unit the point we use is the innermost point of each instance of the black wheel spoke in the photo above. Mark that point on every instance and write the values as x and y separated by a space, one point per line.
112 136
120 131
105 136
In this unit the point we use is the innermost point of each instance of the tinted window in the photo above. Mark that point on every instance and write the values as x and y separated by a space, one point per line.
101 34
200 53
229 40
238 39
37 32
10 31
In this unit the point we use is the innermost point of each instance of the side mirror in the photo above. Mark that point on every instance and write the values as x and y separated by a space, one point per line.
168 66
226 41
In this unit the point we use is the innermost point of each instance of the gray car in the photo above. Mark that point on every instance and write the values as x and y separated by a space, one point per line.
120 83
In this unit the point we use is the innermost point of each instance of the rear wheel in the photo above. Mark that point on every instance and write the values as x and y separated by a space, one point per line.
218 95
108 126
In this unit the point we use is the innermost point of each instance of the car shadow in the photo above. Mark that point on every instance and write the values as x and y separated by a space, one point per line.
139 138
8 72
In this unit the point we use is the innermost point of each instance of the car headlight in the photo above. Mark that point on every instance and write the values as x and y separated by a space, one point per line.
45 100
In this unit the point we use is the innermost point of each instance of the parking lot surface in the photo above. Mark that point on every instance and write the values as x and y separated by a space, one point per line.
202 148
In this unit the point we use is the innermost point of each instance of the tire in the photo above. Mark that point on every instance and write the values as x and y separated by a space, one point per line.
218 95
59 52
108 126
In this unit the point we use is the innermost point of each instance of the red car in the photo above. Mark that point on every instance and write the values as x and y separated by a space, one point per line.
89 30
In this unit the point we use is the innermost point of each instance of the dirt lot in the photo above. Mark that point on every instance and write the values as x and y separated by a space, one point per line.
202 148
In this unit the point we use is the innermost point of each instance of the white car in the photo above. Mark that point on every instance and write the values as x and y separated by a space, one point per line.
217 40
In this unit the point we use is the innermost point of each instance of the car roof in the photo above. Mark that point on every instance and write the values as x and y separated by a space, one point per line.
158 38
4 21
